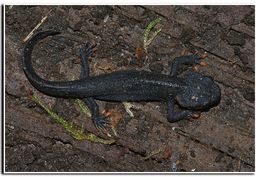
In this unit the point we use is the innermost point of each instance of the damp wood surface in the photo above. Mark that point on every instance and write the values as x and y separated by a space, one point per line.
222 140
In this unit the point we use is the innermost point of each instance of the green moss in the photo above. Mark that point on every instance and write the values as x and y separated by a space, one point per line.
147 32
68 126
83 108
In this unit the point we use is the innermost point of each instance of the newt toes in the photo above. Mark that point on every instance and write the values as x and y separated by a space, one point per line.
129 85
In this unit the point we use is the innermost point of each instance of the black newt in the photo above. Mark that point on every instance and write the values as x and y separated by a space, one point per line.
192 91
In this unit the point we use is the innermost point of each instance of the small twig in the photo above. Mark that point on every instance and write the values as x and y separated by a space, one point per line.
37 26
128 106
238 164
157 151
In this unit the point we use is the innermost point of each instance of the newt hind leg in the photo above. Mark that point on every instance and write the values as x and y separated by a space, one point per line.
85 53
100 121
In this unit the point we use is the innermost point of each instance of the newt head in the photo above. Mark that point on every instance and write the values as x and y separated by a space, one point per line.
200 92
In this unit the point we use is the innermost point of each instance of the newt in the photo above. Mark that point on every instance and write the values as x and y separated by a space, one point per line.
191 91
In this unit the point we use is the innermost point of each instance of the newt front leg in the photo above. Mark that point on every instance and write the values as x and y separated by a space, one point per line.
100 121
174 116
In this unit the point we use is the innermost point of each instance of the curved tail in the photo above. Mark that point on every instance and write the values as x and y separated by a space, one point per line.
39 83
27 54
